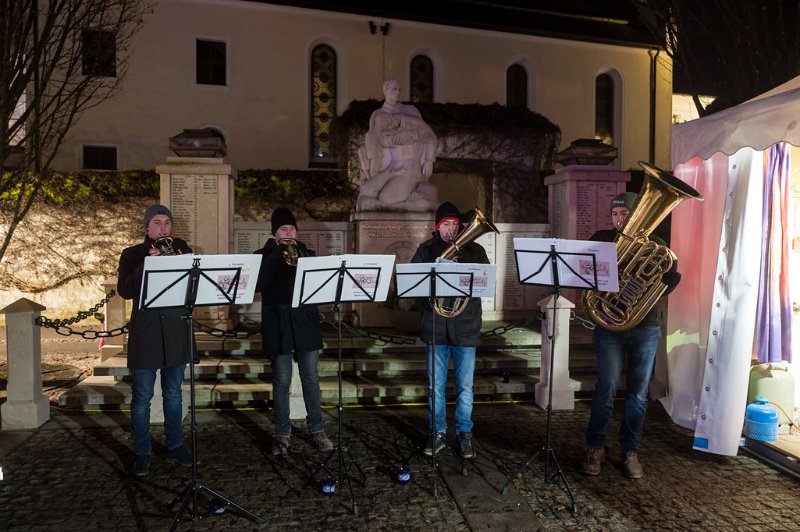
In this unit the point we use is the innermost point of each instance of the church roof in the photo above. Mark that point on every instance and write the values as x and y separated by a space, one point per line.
604 21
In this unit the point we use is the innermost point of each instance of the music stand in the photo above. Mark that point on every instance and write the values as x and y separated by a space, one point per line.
180 282
442 279
340 279
572 264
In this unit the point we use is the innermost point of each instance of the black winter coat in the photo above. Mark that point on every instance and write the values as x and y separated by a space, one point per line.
158 337
463 330
284 330
671 278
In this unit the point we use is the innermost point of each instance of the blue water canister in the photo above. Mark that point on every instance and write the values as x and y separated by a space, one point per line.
403 475
761 420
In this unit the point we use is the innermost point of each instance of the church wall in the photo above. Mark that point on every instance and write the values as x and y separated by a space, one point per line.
264 109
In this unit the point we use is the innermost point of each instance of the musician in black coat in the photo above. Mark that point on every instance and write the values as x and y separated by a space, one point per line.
635 349
158 341
289 334
456 337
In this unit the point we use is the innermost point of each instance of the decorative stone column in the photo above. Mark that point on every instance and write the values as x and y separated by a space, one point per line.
26 406
556 324
199 192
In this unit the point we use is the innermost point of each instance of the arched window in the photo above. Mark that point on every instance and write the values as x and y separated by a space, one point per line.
604 109
421 79
516 86
323 102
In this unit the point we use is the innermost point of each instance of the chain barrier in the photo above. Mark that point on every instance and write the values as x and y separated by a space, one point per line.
586 323
222 333
388 338
63 328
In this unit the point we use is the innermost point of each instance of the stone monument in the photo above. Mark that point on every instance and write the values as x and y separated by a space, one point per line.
397 157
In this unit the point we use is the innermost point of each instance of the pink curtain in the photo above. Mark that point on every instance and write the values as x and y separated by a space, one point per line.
774 312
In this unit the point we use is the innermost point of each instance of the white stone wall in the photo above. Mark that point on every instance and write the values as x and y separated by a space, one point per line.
264 109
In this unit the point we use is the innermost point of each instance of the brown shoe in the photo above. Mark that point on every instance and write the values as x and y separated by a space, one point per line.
631 465
281 446
593 461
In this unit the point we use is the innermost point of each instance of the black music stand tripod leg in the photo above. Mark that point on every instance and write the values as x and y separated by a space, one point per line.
340 450
546 450
191 491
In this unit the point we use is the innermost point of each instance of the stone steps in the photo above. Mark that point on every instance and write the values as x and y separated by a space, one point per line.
373 372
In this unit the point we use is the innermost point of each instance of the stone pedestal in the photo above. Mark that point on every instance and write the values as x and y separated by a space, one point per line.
26 406
556 325
579 198
199 192
388 233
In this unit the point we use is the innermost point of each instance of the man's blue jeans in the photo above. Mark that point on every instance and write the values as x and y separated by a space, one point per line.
282 381
144 381
464 370
639 344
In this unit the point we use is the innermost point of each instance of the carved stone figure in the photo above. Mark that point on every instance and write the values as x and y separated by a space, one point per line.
397 158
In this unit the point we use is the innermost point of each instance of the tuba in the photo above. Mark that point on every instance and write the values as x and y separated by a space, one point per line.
164 246
641 263
478 226
293 253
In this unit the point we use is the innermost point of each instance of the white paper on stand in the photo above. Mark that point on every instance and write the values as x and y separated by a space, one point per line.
576 262
452 279
365 278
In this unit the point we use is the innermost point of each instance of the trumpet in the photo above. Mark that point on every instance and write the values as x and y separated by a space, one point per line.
164 246
293 253
478 226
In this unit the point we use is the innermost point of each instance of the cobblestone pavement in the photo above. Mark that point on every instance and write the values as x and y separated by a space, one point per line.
74 474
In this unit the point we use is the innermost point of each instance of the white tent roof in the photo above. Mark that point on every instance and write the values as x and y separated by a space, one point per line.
758 123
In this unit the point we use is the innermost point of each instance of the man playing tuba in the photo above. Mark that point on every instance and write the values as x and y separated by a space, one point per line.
456 336
639 345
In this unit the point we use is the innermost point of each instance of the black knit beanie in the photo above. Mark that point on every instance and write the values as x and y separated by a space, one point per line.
447 210
626 199
281 217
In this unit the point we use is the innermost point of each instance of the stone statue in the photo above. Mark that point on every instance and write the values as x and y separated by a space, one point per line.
397 158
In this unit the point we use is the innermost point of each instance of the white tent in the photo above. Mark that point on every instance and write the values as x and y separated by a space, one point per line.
712 314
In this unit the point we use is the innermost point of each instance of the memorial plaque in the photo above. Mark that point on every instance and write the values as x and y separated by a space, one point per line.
592 201
325 238
511 295
194 204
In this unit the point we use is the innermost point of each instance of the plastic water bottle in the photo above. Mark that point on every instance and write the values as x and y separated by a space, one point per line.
403 475
761 420
328 487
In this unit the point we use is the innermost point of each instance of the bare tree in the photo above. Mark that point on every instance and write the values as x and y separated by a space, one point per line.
57 59
730 49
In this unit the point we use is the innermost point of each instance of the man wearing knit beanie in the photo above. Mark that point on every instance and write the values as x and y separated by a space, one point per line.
281 217
289 334
154 210
635 350
158 343
446 337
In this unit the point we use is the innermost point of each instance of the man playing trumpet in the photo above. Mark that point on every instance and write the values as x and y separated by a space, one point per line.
158 340
289 334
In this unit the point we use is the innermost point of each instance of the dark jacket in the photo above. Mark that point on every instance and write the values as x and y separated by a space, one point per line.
284 329
158 337
465 329
671 278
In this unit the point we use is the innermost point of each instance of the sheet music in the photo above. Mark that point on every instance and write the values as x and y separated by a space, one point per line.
166 279
366 278
576 262
452 279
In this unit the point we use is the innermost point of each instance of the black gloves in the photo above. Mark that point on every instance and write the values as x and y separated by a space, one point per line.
671 279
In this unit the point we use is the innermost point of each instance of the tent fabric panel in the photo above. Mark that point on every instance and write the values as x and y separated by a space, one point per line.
757 124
